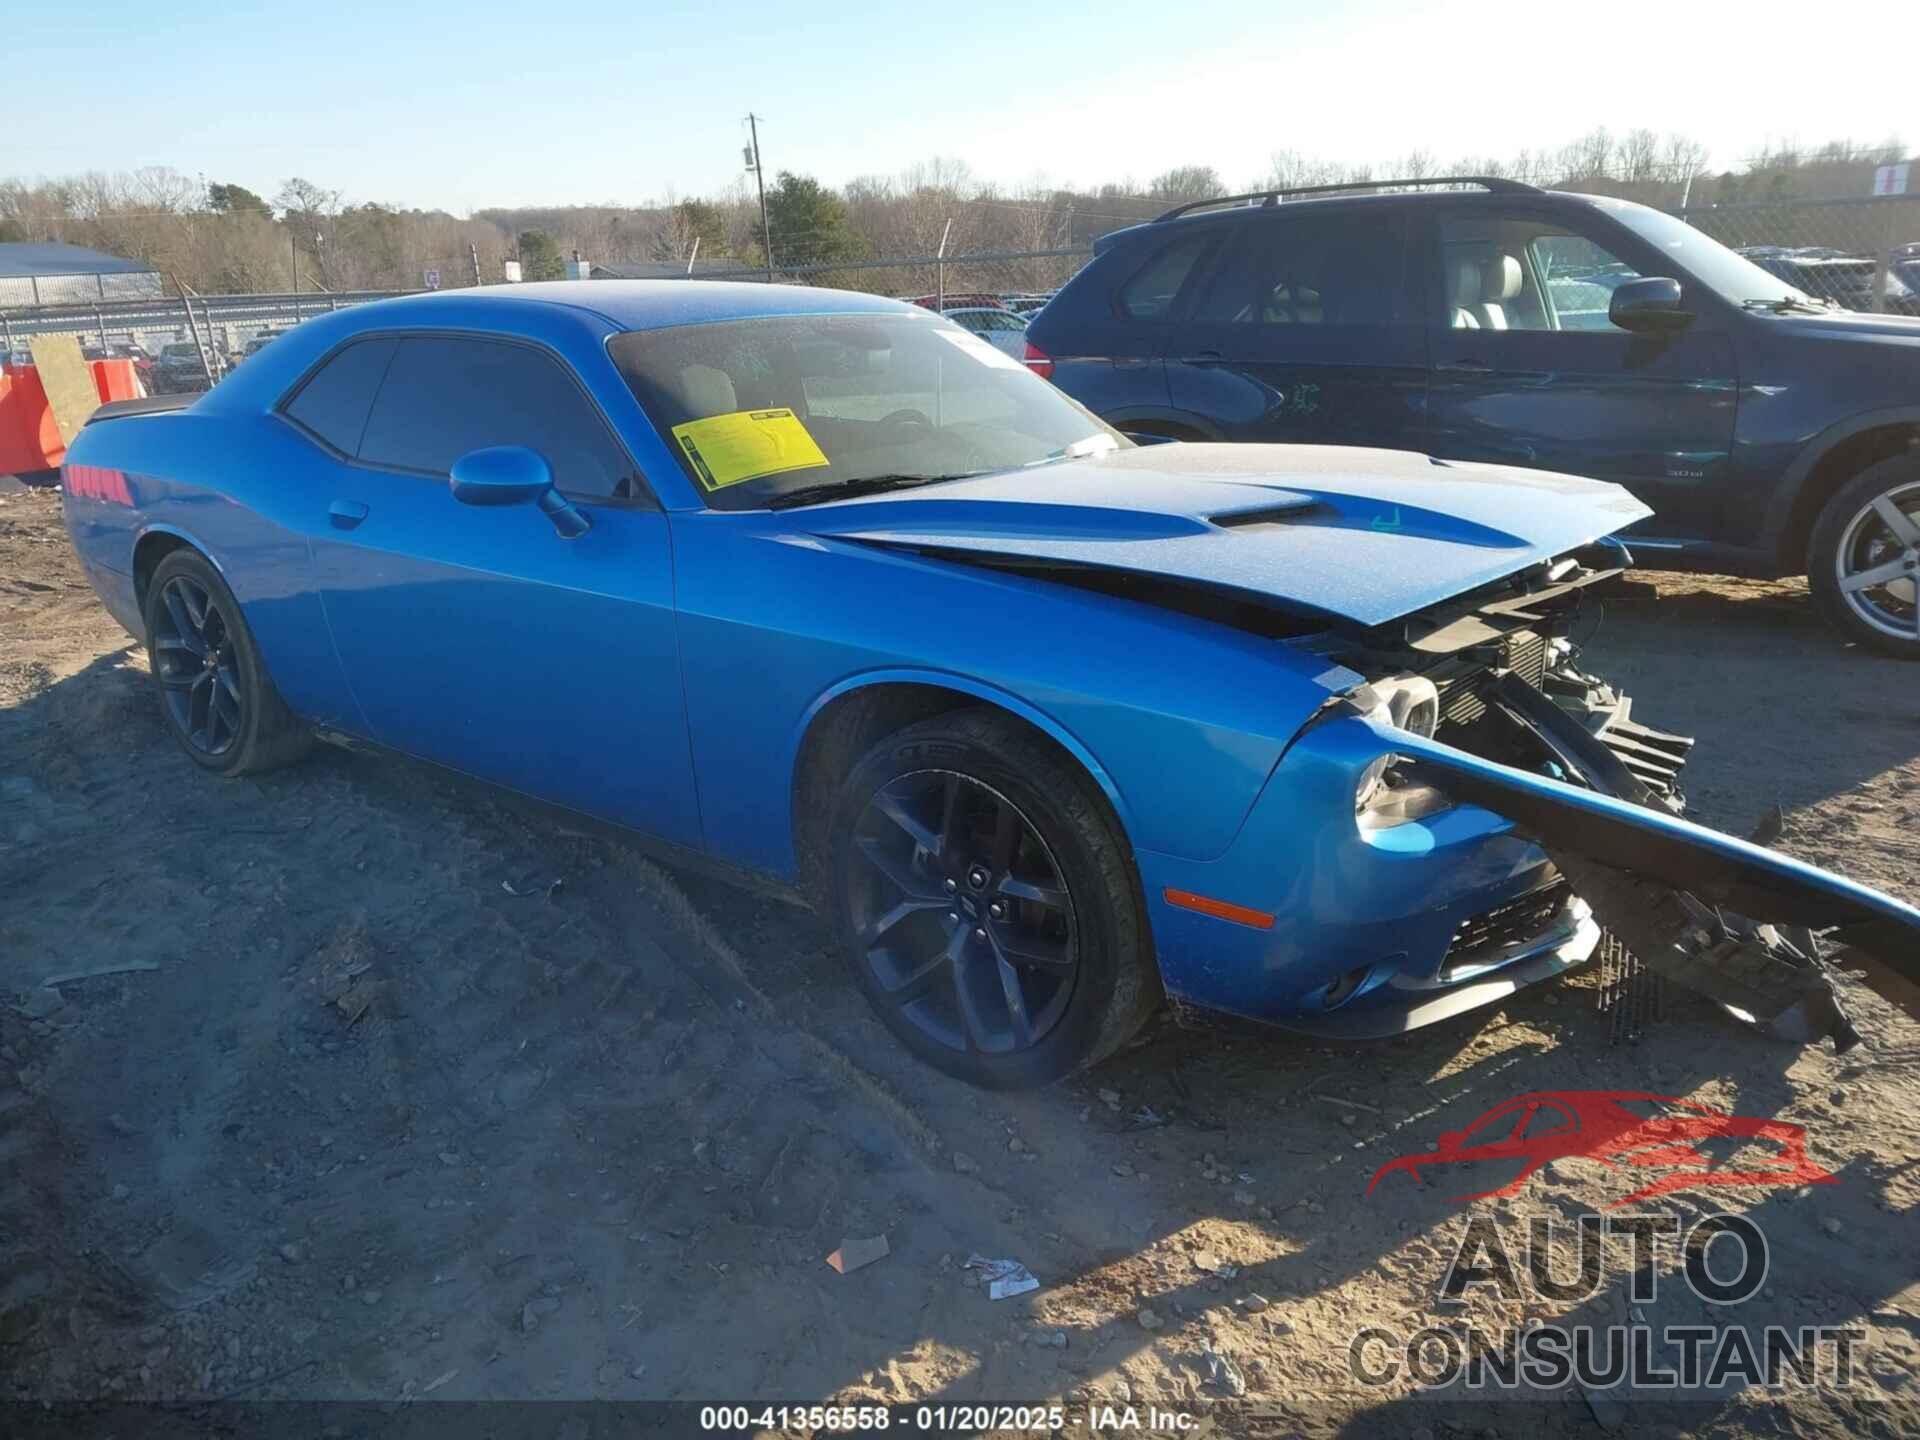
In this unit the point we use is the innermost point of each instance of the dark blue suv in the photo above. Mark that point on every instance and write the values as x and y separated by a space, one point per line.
1772 434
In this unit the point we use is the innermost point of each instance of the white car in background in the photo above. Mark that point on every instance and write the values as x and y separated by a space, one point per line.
1002 329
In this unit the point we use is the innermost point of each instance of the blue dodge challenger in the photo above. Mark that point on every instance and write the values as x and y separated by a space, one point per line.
1049 724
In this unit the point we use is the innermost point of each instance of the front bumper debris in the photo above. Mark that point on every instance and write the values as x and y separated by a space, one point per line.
1744 925
1525 734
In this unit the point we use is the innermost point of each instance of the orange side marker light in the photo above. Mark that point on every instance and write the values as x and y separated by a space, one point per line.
1218 909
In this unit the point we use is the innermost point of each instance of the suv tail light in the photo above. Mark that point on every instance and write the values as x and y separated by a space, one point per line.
1038 361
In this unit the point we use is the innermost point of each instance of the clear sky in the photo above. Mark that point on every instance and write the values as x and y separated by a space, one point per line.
580 101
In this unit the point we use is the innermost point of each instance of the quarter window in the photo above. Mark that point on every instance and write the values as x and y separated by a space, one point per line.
447 395
1151 293
334 402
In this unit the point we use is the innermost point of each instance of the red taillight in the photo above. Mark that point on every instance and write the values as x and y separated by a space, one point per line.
1038 361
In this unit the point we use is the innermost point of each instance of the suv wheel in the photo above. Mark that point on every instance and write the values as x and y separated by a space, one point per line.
1864 560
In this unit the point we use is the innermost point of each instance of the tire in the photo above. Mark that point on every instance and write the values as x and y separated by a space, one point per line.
1005 988
1852 537
191 614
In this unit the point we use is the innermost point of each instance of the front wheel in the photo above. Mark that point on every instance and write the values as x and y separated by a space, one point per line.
1863 563
987 902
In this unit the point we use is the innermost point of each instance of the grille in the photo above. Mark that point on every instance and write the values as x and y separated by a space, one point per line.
1482 937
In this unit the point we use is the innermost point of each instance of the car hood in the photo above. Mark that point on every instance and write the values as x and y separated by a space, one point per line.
1853 325
1364 536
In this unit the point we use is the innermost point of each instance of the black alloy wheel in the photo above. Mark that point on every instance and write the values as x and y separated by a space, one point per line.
215 694
966 921
987 901
197 667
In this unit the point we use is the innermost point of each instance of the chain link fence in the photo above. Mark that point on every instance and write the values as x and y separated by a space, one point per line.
984 276
1860 254
87 288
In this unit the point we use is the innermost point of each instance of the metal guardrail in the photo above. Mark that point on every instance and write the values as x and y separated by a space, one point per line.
121 317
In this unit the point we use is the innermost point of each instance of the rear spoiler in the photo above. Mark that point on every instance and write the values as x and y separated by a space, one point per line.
145 405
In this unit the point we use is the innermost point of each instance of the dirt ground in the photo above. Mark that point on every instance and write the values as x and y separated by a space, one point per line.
341 1100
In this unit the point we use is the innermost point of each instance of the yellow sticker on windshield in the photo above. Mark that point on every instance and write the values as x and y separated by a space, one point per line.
726 449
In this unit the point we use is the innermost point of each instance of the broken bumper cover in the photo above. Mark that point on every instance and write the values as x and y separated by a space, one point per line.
1733 920
1374 933
1383 931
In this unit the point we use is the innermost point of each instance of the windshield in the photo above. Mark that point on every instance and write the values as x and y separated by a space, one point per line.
756 409
1732 276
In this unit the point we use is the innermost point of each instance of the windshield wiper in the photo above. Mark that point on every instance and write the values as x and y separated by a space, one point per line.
867 485
1787 303
1078 450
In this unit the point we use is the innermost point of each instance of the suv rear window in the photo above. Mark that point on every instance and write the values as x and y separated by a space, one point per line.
1150 294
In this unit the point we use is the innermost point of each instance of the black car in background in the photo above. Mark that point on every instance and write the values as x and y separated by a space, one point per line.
1846 280
1771 433
180 369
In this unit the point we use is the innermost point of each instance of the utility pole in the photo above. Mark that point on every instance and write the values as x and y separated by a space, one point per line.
473 254
760 179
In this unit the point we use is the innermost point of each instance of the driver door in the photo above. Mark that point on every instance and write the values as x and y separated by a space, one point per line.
478 637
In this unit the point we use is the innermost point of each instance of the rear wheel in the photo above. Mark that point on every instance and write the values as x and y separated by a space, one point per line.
215 694
1863 563
987 904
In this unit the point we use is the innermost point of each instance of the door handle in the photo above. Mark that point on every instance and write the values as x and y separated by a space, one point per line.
1205 357
346 514
1469 366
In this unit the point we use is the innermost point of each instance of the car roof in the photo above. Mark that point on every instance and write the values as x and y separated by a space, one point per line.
657 304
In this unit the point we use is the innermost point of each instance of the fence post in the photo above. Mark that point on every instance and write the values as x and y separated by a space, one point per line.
206 360
101 321
6 339
1883 242
940 269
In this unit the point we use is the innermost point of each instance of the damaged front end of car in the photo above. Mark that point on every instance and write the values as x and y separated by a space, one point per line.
1482 703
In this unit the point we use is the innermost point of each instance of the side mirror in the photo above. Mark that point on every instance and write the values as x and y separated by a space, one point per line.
514 475
1650 306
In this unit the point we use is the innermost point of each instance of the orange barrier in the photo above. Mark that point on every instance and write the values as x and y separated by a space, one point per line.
29 440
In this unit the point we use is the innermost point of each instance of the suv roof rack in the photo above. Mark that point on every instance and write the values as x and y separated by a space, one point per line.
1491 183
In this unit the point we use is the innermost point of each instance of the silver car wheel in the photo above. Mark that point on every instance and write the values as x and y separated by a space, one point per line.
1877 563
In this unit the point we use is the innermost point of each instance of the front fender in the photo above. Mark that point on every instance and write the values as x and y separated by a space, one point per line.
1785 498
987 694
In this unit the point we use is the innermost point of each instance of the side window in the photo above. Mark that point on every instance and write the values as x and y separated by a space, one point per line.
1547 1119
1318 270
446 395
1579 277
1515 273
334 402
1496 1127
1150 294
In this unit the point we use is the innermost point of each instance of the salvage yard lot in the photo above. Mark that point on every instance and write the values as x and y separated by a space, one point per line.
357 1103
